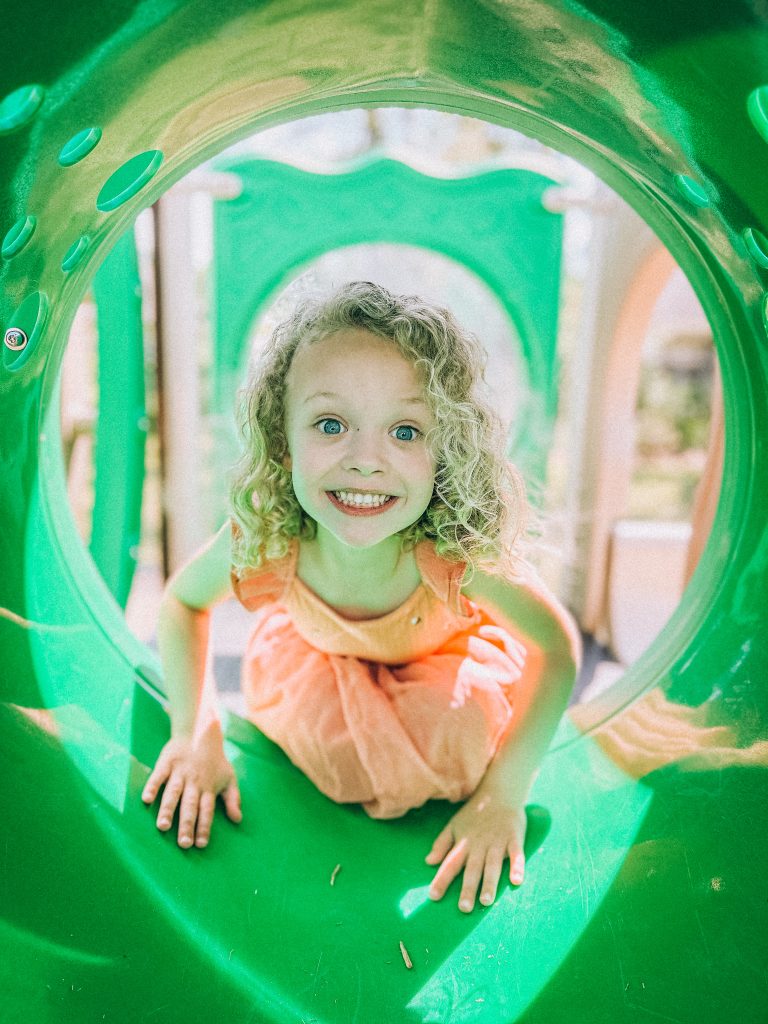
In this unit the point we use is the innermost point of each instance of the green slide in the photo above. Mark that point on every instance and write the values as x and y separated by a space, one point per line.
646 895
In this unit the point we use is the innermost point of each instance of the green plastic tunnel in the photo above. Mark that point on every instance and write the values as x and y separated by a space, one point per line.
646 896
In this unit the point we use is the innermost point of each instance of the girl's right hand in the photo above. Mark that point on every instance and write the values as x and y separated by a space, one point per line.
194 771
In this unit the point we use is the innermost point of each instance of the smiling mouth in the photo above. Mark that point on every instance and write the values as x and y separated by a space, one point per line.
361 504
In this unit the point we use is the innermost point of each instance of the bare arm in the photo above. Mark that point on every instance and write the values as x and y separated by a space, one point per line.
553 653
192 765
491 826
184 627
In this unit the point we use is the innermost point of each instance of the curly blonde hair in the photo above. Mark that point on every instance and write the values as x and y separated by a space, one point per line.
479 507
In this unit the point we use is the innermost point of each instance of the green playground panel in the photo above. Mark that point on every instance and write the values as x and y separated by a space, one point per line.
492 222
645 899
121 425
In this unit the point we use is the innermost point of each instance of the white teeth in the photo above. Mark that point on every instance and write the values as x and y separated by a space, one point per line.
361 500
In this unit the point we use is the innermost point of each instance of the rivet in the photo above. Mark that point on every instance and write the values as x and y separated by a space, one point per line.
415 620
15 339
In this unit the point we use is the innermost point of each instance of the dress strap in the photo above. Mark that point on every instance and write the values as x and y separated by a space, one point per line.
442 576
265 583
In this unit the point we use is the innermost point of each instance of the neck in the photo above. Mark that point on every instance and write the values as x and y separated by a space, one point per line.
374 564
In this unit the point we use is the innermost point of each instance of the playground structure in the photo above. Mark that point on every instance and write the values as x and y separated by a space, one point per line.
82 716
504 219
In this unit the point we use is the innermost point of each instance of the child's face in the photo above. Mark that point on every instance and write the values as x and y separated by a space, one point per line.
356 421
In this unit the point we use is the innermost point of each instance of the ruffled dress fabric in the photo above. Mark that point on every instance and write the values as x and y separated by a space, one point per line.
388 712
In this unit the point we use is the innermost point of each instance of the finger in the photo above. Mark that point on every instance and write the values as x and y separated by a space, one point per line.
518 655
152 786
231 796
190 801
448 870
472 873
171 794
494 862
205 817
515 651
516 865
441 846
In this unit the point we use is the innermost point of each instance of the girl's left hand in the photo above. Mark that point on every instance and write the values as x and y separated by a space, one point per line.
478 838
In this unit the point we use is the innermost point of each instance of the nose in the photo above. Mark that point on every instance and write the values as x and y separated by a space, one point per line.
363 454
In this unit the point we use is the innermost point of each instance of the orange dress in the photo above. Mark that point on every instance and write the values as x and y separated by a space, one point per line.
388 712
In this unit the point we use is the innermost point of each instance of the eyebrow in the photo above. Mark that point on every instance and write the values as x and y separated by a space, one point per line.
411 400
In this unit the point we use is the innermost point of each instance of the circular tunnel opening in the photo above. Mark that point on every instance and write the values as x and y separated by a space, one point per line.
625 545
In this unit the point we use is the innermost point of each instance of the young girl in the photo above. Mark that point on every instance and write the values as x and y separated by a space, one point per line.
401 650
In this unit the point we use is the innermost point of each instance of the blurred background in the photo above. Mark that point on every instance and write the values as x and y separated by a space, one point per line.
600 360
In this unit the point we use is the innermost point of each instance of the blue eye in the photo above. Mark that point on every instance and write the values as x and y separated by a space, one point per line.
329 426
402 433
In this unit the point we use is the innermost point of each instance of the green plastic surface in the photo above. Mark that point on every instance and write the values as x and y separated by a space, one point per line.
647 900
121 427
18 236
128 180
493 223
79 146
28 319
75 253
20 106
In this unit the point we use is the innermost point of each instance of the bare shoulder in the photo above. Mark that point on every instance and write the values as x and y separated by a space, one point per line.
530 605
204 580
